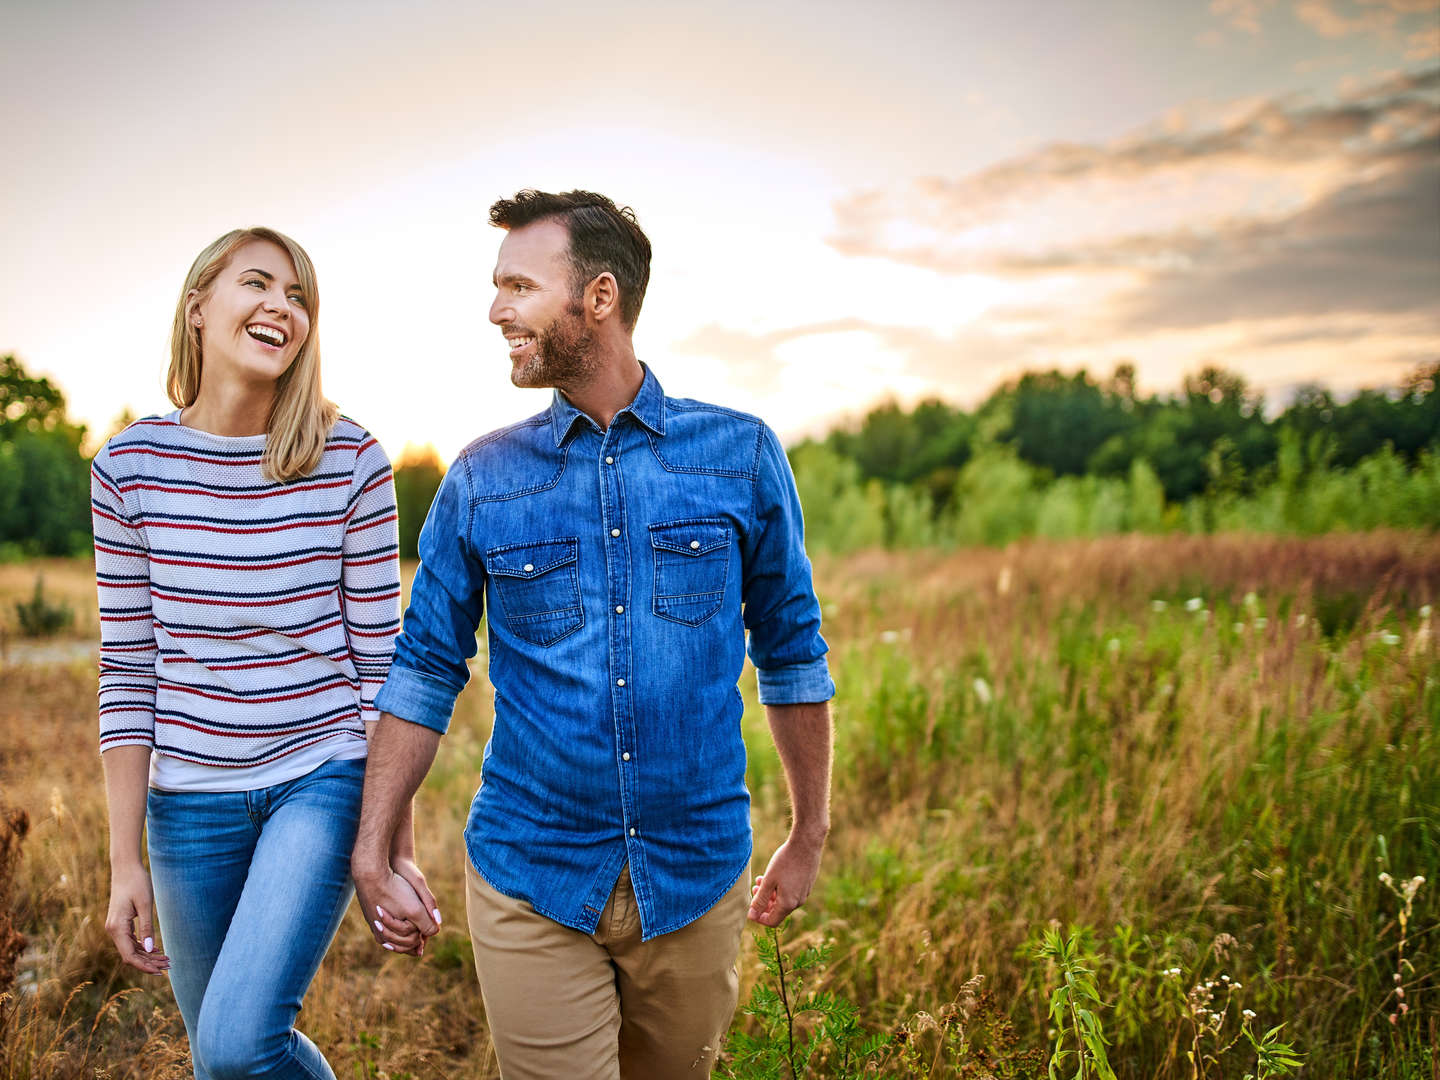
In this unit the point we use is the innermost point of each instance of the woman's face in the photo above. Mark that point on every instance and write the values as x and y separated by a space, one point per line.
254 319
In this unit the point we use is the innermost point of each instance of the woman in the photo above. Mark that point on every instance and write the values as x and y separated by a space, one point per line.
246 561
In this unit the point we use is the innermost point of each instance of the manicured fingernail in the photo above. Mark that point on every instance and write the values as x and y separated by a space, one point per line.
149 944
379 911
378 926
436 912
387 945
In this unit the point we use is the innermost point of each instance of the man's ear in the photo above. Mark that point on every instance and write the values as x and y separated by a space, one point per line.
602 297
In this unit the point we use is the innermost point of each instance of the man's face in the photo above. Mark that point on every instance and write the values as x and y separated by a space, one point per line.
544 324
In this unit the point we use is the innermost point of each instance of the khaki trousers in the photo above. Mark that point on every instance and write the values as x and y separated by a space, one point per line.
565 1005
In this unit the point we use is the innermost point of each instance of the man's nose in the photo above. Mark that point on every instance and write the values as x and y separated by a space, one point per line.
500 311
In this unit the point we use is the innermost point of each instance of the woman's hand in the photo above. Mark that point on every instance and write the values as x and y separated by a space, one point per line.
407 869
399 920
130 921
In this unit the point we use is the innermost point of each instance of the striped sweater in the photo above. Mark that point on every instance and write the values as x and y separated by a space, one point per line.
245 625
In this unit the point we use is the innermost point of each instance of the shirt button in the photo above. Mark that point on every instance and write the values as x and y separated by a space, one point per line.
609 461
632 830
614 532
619 682
694 544
528 567
619 609
625 756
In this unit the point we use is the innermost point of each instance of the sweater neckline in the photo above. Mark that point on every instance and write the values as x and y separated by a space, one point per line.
232 440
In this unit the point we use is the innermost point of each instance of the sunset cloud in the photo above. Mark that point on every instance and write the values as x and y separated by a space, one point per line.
1289 238
1241 14
1279 206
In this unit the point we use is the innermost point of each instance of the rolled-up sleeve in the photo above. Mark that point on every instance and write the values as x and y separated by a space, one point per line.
447 600
781 609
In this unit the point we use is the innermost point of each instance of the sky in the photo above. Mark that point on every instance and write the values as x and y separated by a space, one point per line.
849 202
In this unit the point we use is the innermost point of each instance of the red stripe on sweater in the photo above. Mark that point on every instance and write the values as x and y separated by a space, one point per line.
206 601
137 486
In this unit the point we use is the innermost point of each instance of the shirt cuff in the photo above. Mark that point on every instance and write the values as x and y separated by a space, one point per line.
420 699
796 684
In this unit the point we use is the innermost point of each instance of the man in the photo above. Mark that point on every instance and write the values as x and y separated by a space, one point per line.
621 542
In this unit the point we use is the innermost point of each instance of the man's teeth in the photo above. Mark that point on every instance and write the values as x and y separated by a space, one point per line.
267 334
519 342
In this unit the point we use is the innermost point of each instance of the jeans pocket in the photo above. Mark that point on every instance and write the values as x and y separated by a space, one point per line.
539 588
692 560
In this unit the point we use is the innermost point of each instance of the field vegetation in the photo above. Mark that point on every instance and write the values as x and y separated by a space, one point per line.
1187 786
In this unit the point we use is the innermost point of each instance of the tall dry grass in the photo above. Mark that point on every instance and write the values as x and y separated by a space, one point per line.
1044 732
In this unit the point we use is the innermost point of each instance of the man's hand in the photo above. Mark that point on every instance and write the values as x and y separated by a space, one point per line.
394 899
787 881
400 919
130 920
802 736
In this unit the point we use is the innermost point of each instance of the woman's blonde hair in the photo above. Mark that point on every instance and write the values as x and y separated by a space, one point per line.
300 419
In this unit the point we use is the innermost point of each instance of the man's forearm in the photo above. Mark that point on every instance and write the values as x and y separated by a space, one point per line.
804 740
399 757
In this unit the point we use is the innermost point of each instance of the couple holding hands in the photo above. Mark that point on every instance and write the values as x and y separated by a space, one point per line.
265 729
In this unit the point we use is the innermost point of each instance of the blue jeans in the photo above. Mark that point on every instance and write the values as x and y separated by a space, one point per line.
250 887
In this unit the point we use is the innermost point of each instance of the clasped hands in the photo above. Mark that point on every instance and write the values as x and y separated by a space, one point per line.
398 906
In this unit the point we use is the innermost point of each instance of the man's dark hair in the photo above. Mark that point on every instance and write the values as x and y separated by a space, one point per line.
602 237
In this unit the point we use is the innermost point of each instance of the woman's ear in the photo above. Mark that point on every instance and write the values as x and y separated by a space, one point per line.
193 315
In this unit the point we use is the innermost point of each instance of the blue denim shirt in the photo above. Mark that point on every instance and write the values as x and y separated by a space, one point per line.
619 569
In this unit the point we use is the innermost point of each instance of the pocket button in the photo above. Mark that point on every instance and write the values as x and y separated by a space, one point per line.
694 545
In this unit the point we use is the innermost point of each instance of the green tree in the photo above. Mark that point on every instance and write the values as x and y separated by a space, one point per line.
44 476
27 403
1058 422
417 478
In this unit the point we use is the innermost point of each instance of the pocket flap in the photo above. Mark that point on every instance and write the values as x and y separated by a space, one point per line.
531 559
694 536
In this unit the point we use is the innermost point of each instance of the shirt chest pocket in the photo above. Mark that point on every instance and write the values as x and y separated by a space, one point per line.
692 559
539 588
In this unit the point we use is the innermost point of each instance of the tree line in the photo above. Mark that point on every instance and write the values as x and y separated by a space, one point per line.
1061 455
1048 453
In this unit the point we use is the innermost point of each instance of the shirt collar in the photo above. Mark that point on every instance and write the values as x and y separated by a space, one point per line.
648 408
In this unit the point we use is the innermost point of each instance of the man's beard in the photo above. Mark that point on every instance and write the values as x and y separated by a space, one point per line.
564 353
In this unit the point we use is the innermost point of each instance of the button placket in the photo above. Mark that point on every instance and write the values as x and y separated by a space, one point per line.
617 559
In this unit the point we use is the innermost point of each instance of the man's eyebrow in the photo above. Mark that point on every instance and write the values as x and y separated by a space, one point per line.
510 279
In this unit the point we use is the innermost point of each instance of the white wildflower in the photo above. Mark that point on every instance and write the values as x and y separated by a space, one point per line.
1300 619
889 637
1194 604
1113 645
1239 628
1390 639
982 690
1425 612
1249 1014
1158 605
1251 601
1261 623
1385 879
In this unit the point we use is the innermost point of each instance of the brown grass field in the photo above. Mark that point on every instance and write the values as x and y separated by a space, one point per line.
1200 752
